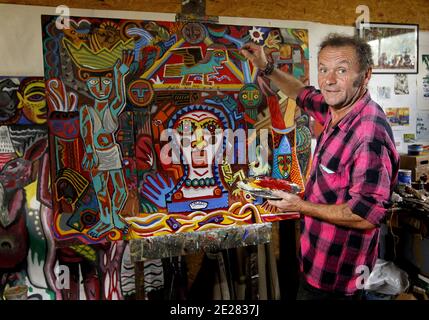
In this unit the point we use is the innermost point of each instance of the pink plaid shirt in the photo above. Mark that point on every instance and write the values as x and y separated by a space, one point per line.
355 162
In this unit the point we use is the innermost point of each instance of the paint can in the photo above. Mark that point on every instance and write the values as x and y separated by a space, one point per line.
415 149
404 177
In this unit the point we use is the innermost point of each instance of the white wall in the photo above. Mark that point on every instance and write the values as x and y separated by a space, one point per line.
21 51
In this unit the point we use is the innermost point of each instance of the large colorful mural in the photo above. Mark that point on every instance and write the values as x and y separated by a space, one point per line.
152 124
29 253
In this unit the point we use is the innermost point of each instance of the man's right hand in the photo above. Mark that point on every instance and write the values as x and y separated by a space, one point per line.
255 54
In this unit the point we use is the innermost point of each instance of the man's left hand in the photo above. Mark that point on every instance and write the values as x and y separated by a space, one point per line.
289 201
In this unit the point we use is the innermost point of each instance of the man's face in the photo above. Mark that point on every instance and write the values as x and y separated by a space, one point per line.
339 78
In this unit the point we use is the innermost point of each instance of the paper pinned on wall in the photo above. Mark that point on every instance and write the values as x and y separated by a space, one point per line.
423 84
422 132
409 138
383 92
398 117
401 84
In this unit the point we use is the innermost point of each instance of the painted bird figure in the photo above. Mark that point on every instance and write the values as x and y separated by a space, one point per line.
194 63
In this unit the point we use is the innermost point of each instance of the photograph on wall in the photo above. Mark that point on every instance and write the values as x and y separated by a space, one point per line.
398 117
409 137
154 125
394 47
401 84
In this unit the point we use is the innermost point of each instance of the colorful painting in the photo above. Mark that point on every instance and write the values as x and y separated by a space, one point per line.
31 256
398 116
152 124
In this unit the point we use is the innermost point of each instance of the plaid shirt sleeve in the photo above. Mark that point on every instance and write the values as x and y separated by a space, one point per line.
370 181
313 103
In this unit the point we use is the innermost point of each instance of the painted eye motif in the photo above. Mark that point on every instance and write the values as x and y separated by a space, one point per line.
211 127
106 81
36 97
93 82
248 197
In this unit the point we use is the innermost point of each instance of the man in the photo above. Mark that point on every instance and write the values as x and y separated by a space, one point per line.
354 168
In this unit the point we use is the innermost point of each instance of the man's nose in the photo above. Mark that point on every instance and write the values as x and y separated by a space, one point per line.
331 78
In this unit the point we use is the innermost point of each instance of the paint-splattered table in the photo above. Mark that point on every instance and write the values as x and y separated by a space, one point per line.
193 242
256 236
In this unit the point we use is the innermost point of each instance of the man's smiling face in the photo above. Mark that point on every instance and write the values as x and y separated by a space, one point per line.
339 76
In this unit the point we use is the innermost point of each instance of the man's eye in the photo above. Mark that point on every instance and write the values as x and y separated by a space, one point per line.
342 71
322 70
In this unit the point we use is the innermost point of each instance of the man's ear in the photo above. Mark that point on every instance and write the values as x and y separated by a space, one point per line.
367 77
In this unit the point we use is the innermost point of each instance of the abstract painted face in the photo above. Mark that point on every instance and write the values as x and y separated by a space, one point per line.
107 34
140 92
200 143
284 162
282 157
8 100
250 96
16 174
100 87
194 32
219 56
199 135
33 101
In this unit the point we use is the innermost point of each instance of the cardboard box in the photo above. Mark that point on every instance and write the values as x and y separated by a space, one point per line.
406 296
419 165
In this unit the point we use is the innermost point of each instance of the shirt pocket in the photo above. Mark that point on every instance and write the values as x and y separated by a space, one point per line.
334 176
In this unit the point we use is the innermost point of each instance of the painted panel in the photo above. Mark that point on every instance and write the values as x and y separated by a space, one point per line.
30 256
152 124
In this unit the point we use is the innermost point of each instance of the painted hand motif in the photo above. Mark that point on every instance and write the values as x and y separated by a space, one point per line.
156 190
123 66
90 161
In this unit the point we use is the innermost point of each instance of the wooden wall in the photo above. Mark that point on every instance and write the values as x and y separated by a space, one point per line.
337 12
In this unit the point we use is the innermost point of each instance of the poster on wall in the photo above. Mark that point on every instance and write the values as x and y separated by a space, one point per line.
153 124
423 84
422 125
